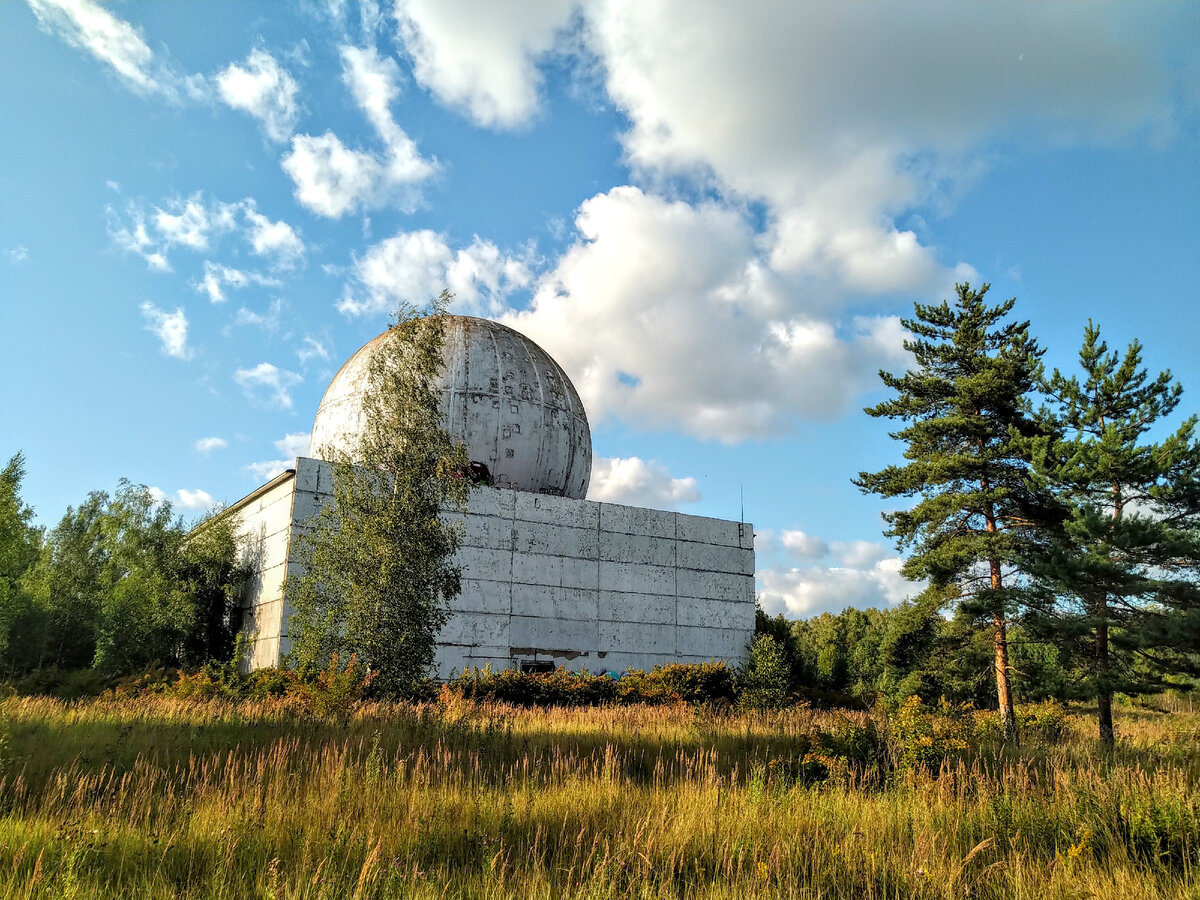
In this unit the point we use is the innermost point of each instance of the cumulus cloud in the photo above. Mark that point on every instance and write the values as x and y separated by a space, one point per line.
268 383
814 576
132 236
209 444
278 241
294 444
290 446
218 277
265 90
668 315
640 483
481 57
332 179
267 321
838 116
197 223
193 221
171 329
267 469
115 43
411 267
312 349
185 499
18 254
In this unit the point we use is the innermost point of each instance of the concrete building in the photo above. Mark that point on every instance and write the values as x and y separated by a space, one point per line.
549 578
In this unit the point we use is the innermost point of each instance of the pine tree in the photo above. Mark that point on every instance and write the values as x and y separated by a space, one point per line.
378 560
964 409
1115 583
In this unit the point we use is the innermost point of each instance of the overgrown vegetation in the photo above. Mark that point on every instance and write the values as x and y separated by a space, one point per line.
162 797
379 567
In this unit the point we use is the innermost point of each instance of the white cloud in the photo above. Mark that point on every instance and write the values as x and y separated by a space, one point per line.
268 321
18 254
834 575
290 446
196 499
135 238
840 116
268 468
197 223
804 546
184 499
277 240
217 277
192 222
268 383
114 42
332 179
171 328
669 316
295 444
312 349
209 444
634 481
265 90
481 56
411 267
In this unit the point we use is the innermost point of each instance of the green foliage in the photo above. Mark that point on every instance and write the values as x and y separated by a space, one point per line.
378 560
692 683
20 546
333 694
925 740
765 680
709 682
964 412
118 585
1114 581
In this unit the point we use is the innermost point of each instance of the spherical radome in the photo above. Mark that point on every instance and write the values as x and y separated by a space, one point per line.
501 394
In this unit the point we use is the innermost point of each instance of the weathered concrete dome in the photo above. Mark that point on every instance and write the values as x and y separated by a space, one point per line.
501 394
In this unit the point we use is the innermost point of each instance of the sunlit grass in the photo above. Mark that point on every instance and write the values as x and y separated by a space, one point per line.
160 797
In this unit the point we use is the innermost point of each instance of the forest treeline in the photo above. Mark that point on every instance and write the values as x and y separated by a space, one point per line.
120 584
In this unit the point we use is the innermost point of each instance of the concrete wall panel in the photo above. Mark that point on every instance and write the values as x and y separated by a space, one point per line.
620 519
554 601
619 606
637 548
714 613
555 540
713 558
475 629
637 578
529 635
483 597
638 637
708 531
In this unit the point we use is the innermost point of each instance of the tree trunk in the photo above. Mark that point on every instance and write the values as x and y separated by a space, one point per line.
1103 687
1004 697
1008 716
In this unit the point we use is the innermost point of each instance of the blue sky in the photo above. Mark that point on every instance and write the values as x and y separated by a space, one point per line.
711 214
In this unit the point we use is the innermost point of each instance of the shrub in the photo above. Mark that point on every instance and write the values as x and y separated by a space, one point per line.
335 691
65 684
710 682
922 740
763 682
672 683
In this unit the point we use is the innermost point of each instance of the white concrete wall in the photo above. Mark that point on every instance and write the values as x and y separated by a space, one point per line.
266 529
573 582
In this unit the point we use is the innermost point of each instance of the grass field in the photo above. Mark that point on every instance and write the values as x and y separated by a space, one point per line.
161 797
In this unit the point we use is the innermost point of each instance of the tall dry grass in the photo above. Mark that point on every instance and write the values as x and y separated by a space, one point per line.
167 798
